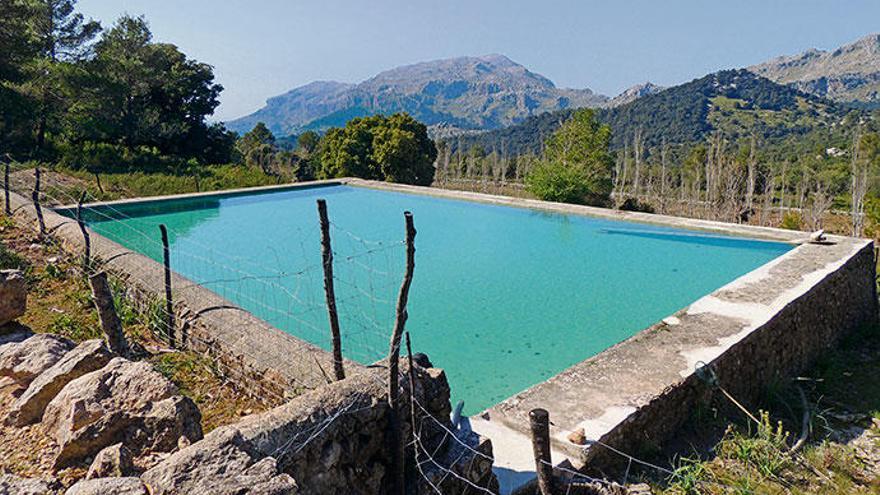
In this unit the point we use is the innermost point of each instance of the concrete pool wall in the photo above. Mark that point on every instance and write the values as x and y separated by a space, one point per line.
762 327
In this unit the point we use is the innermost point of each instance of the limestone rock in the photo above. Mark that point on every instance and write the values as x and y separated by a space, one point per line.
123 402
13 295
108 486
113 461
15 485
220 464
23 361
84 358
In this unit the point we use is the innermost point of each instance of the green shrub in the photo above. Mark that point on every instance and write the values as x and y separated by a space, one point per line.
791 221
72 328
555 181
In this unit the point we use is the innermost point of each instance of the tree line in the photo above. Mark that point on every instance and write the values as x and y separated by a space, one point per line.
111 100
74 92
393 148
746 178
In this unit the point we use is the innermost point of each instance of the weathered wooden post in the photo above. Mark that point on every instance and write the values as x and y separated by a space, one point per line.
35 196
6 207
110 324
169 306
412 401
397 475
329 292
87 241
539 421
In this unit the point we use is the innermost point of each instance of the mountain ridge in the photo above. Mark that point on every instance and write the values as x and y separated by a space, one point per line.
468 93
736 102
849 73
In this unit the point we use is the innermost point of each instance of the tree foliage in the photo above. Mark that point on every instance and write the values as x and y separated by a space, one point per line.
577 163
70 91
394 149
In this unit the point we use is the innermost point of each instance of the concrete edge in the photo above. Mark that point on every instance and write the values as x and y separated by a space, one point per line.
754 307
752 231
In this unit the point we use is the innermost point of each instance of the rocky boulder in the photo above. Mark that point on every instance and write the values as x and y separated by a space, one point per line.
14 485
123 402
13 295
113 461
221 464
23 361
108 486
84 358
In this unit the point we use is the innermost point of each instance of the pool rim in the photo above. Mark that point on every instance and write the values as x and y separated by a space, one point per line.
753 232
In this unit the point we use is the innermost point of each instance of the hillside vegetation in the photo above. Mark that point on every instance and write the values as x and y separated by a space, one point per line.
736 102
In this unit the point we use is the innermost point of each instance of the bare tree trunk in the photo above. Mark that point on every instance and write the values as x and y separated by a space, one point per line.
859 185
750 180
637 151
769 186
663 177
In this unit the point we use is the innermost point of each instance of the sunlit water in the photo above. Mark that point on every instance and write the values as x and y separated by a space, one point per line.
502 298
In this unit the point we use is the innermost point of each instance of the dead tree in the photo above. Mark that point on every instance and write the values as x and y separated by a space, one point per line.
637 155
751 174
859 172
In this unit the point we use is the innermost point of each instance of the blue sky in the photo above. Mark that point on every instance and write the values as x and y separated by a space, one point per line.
263 48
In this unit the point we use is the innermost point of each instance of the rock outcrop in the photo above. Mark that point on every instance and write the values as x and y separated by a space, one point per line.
112 461
23 361
224 464
123 402
109 486
13 295
14 485
89 356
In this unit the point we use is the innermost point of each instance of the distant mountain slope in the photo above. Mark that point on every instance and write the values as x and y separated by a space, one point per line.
466 93
735 101
632 93
850 73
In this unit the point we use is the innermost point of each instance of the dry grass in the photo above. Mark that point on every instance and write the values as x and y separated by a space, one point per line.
843 452
60 302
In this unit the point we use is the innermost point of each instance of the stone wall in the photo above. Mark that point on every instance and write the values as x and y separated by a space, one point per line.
804 329
333 440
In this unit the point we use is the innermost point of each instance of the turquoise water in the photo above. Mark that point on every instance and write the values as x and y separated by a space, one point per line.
502 298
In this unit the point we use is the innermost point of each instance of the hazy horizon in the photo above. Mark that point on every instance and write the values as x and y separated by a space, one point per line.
261 52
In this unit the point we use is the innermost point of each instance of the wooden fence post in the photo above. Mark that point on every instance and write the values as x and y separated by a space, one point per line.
412 400
87 241
329 292
110 324
539 421
6 207
35 196
397 473
169 306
